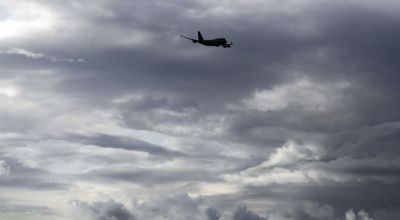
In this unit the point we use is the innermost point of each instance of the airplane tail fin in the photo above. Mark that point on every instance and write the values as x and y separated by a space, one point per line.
200 37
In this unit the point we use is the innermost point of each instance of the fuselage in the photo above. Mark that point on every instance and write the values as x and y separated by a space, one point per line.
213 42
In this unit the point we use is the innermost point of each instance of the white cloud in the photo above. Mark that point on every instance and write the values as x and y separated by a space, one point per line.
301 210
273 170
304 94
35 55
361 215
24 18
4 168
272 176
350 215
291 152
9 91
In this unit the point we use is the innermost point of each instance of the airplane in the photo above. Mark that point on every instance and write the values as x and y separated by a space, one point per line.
214 42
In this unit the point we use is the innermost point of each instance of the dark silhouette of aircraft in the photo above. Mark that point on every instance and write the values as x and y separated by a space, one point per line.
213 42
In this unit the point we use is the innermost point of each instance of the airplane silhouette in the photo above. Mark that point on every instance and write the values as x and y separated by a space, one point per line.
214 42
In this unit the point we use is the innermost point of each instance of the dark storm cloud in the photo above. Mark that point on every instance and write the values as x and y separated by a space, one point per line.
271 56
213 214
242 213
109 141
374 141
161 66
367 36
104 210
265 58
322 74
150 177
342 196
391 213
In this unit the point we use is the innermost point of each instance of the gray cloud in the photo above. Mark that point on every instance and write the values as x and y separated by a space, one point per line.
361 215
8 206
160 207
304 106
103 211
16 175
370 195
302 210
242 213
213 214
150 177
181 206
109 141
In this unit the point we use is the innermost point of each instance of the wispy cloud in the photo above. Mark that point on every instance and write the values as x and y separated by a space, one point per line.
36 55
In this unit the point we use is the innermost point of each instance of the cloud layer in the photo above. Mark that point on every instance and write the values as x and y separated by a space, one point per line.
111 115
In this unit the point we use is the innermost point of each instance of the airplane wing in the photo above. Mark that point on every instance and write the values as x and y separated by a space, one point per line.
194 40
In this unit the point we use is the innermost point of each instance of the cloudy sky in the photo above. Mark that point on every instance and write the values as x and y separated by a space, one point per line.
107 114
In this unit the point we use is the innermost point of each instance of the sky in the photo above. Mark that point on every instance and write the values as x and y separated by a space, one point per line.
108 114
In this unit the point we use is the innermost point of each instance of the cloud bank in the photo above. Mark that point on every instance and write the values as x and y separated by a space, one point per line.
106 113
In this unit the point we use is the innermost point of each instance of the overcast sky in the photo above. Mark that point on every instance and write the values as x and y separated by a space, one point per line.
107 114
